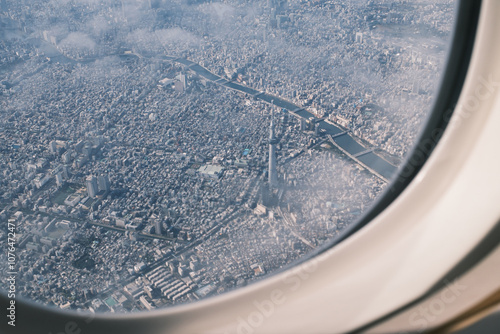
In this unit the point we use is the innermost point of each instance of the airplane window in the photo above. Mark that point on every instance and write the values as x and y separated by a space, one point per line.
154 153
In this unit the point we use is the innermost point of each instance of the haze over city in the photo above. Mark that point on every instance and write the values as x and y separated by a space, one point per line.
154 153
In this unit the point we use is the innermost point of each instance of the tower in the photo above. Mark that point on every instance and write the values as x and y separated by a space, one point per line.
273 173
92 186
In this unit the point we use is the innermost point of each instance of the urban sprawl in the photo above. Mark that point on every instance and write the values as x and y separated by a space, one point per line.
158 152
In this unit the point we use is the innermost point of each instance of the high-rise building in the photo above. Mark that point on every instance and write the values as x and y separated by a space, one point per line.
181 85
303 125
59 179
158 226
65 172
182 78
359 37
53 147
66 157
92 188
273 173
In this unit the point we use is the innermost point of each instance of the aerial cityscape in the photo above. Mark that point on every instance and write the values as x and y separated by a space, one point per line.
157 152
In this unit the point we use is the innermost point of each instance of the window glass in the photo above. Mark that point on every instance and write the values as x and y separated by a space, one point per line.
159 152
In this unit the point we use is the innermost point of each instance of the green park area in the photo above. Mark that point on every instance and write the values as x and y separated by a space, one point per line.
64 192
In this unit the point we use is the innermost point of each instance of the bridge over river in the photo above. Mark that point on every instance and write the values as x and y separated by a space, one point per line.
339 137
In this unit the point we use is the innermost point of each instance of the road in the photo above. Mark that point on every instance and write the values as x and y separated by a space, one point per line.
291 227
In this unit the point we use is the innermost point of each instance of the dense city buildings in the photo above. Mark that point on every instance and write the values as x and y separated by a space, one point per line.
158 152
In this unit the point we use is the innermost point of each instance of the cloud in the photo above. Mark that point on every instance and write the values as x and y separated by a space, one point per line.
141 36
218 11
58 3
78 40
177 36
98 25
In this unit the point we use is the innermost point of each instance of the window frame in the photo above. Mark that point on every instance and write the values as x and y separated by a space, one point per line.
174 318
